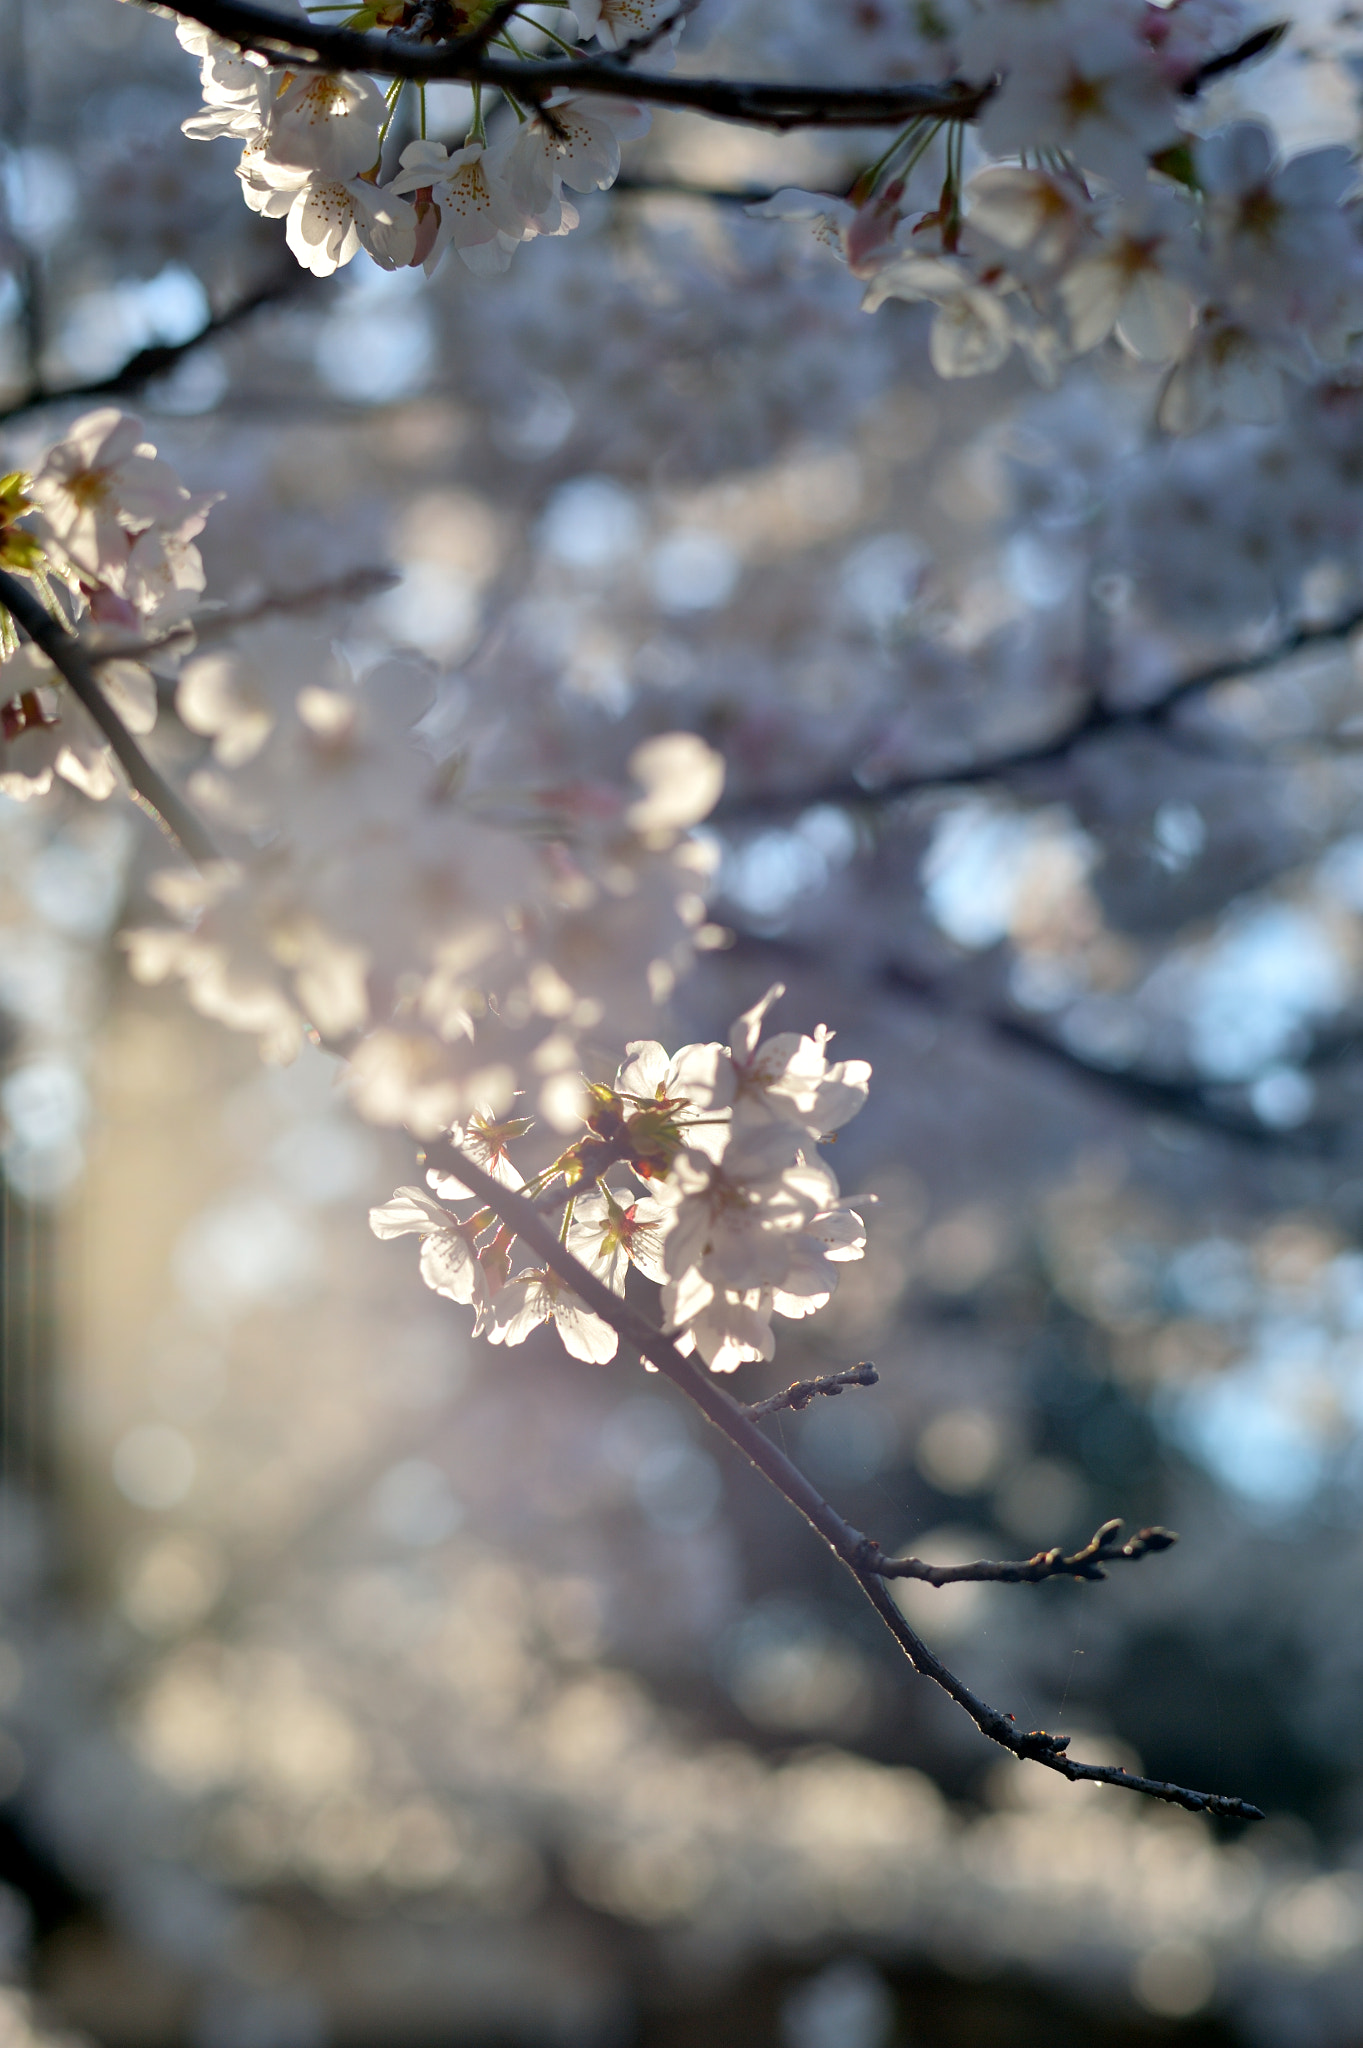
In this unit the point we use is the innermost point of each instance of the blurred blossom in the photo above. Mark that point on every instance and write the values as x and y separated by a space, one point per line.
172 1583
1038 569
590 523
678 1488
433 607
104 328
324 1159
1179 833
538 423
1283 1097
848 2005
377 344
1043 1502
76 884
768 875
1103 1031
44 1107
244 1251
414 1503
1174 1979
154 1466
880 577
40 192
960 1449
988 870
946 1613
1271 971
693 571
787 1670
1214 1277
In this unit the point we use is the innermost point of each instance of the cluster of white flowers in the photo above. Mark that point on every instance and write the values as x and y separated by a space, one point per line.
1116 217
454 944
312 152
455 938
105 520
1097 208
713 1191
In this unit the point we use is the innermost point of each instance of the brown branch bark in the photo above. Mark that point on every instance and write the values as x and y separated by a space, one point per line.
757 103
68 654
856 1551
802 1392
1103 1548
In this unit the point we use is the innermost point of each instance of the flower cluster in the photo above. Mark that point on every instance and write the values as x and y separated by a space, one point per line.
104 530
453 941
1098 207
1098 210
699 1170
312 151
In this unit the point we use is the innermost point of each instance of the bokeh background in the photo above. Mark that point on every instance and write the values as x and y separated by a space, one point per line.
360 1685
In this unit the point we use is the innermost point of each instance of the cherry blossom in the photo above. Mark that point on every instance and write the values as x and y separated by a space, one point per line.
612 1232
615 23
577 144
971 331
330 219
448 1262
1075 79
99 487
479 216
1138 283
538 1296
327 123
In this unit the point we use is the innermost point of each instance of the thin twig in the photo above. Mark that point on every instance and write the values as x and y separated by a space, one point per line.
353 586
161 357
1104 1547
849 1544
802 1392
68 654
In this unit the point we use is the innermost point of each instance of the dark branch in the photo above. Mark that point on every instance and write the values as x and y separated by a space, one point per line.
1258 45
1104 1547
1097 719
802 1392
68 654
1182 1100
162 357
848 1544
759 104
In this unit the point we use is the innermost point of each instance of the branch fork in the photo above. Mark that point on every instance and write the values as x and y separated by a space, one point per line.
860 1555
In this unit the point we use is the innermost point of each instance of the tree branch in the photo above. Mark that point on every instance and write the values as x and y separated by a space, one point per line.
1104 1547
856 1551
68 654
802 1392
1096 719
757 103
1199 1105
162 356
